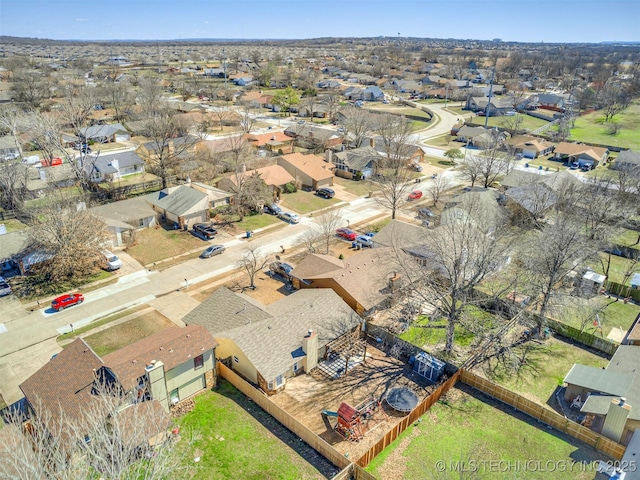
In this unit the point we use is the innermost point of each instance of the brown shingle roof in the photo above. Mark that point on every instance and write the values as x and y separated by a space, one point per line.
63 386
171 346
567 148
271 175
312 165
259 140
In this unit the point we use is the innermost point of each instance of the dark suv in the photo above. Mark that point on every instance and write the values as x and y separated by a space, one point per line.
272 209
204 231
325 192
279 268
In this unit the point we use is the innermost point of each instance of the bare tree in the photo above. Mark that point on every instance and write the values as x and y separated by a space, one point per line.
253 260
437 187
357 123
30 87
13 174
247 118
119 95
614 99
68 239
392 169
322 231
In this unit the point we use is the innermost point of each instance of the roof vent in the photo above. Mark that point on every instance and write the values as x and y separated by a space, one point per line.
134 361
188 335
161 349
153 362
171 350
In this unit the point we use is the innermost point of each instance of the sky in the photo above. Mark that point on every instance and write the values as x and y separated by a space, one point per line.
548 21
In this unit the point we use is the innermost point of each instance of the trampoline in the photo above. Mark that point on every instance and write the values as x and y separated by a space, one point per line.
402 399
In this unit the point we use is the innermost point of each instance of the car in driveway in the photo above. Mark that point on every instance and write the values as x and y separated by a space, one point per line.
415 195
426 213
212 251
347 234
5 288
289 217
325 192
280 268
364 240
204 231
272 209
68 300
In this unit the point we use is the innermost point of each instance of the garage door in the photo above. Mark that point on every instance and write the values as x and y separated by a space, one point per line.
192 387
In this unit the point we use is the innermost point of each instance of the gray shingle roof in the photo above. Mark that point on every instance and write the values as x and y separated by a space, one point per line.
99 131
12 243
598 379
104 162
129 211
400 235
225 310
178 201
534 197
358 158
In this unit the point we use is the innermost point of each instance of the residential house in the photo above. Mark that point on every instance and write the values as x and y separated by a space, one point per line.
584 155
41 178
105 133
481 209
274 176
310 170
168 366
366 281
317 110
185 107
161 369
312 136
496 107
629 161
532 199
182 205
110 167
12 248
371 93
255 99
467 134
610 397
327 84
358 163
400 235
529 146
491 138
244 81
216 196
406 86
549 101
277 142
269 344
124 217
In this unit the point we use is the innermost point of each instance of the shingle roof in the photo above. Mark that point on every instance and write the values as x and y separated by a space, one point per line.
104 162
400 234
177 201
258 140
273 345
311 131
63 386
317 265
172 346
358 158
271 175
312 165
225 310
598 379
534 197
99 131
628 156
13 243
528 142
129 211
573 149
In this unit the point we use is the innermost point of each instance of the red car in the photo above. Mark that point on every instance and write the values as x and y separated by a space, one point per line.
65 301
415 195
346 233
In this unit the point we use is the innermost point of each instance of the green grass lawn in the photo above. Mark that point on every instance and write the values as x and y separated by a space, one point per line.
13 225
611 314
99 323
118 336
232 444
628 238
618 267
590 128
546 365
360 188
463 428
528 122
155 244
304 202
444 141
254 222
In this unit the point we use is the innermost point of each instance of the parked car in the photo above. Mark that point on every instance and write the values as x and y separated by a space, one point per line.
325 192
289 217
416 167
510 113
364 240
574 166
112 261
346 233
204 231
68 300
272 209
279 268
415 195
426 212
212 251
5 288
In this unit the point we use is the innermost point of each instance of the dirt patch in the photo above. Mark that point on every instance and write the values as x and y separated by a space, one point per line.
126 333
394 467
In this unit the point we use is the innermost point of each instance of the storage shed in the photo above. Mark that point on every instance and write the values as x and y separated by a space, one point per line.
429 367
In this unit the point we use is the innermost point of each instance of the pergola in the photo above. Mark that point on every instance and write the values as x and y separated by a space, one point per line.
347 346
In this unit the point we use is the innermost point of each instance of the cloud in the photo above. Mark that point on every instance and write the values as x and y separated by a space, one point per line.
82 19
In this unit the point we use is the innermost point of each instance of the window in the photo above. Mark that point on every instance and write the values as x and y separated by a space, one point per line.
270 386
175 398
235 359
141 222
198 362
295 367
279 381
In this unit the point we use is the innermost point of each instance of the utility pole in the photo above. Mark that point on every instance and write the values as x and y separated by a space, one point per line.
488 109
224 69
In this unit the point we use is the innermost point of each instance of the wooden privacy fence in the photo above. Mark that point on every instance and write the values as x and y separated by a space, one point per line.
413 416
309 437
544 415
585 338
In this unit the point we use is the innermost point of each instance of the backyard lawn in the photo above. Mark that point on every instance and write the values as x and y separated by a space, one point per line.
544 366
155 244
305 202
590 128
464 428
13 225
234 439
118 336
615 314
619 268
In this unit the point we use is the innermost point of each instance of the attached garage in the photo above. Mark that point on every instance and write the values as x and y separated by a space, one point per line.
191 388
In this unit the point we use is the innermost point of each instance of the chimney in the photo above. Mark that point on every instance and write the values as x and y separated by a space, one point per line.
372 142
157 381
328 156
393 281
310 348
616 419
